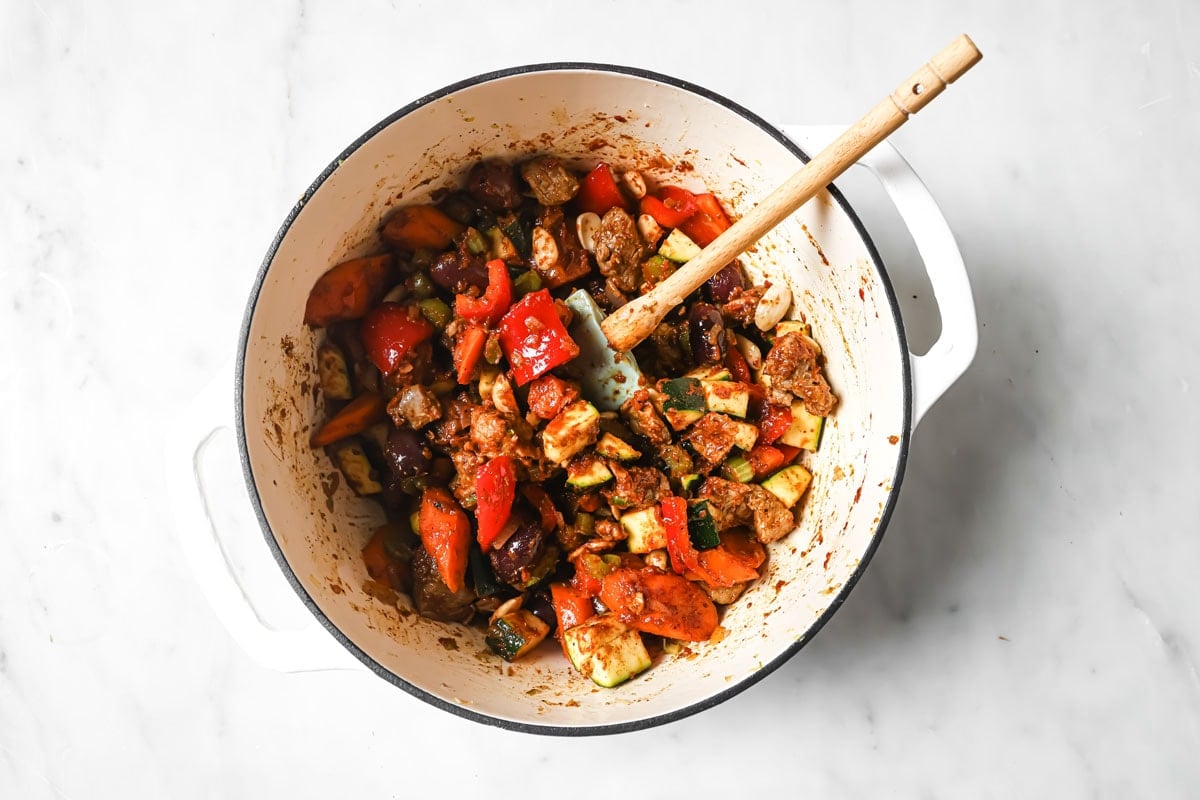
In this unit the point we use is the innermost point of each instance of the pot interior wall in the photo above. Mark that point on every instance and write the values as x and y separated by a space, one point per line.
674 135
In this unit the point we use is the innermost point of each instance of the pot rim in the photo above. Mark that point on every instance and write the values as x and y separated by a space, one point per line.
516 725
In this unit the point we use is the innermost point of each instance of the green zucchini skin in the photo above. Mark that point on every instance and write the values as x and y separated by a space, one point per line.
702 528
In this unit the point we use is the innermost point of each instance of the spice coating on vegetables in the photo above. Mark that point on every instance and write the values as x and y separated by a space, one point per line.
455 395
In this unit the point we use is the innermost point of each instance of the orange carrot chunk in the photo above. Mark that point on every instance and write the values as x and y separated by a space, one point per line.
660 603
348 290
446 535
359 414
415 227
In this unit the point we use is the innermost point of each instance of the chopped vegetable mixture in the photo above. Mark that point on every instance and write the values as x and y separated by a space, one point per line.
454 396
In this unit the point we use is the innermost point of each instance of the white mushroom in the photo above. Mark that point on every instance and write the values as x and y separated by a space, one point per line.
750 352
634 183
507 607
503 397
545 249
649 228
586 225
773 306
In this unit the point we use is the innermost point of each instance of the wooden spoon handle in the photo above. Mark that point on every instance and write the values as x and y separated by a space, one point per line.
633 322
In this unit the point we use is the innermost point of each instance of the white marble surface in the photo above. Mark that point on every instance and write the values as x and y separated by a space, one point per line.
1029 627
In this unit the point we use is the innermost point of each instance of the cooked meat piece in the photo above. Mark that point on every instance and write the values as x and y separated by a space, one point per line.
635 487
793 368
490 432
619 250
432 598
466 463
742 305
610 530
455 421
572 262
710 439
772 519
494 184
551 182
728 501
644 420
415 405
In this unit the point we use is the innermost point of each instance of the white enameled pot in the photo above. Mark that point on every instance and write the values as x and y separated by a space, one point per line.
673 132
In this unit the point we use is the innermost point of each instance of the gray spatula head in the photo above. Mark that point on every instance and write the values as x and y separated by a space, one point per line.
607 378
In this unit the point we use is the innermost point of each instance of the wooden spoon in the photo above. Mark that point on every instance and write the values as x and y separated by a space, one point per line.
633 322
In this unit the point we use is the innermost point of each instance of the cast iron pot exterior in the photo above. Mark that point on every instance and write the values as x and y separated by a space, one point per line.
674 132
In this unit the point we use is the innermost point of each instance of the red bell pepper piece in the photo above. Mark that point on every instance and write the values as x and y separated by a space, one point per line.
735 560
445 534
683 555
708 222
495 301
765 459
598 191
549 395
468 349
775 422
495 491
737 365
390 331
590 570
533 337
660 603
789 452
672 206
571 607
540 500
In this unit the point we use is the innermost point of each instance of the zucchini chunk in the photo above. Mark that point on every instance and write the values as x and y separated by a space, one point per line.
744 435
515 634
678 247
587 470
606 650
681 401
575 427
805 430
332 372
726 397
645 530
702 528
789 484
614 447
710 372
352 460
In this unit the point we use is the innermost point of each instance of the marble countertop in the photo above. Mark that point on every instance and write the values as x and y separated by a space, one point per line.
1029 626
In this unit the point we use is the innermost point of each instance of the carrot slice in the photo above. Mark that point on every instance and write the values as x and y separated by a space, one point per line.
348 290
415 227
661 603
571 606
359 414
735 560
446 535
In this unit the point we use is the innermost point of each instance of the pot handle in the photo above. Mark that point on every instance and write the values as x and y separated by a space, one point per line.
949 357
307 649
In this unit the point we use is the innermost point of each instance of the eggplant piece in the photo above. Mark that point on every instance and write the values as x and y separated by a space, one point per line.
432 598
526 557
706 334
